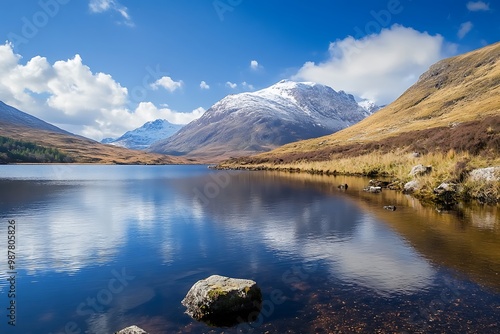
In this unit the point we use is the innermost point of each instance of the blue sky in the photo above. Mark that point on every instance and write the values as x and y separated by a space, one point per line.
102 67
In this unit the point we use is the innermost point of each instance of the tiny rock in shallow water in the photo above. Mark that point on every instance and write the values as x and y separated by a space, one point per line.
132 330
390 207
373 190
343 186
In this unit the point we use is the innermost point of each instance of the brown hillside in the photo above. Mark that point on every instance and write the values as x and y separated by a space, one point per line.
83 150
455 95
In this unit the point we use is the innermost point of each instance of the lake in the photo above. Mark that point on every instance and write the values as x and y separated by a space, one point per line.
100 248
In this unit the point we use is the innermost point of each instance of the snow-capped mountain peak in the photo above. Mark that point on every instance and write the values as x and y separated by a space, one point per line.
258 121
369 105
141 138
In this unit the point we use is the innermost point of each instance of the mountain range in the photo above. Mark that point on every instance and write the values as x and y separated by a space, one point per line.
141 138
260 121
455 105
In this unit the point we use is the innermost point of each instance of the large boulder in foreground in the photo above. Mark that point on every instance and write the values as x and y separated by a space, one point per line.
223 301
132 330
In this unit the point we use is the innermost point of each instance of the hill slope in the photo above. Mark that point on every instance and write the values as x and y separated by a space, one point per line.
259 121
18 125
450 120
13 116
454 105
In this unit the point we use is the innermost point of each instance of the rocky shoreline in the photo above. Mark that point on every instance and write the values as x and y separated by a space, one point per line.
481 184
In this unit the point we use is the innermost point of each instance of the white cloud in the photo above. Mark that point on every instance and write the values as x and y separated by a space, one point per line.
100 6
254 65
204 85
465 28
148 111
231 85
247 85
380 66
475 6
68 94
167 83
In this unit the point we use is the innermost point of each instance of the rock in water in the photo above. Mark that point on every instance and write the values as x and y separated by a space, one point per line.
223 301
132 330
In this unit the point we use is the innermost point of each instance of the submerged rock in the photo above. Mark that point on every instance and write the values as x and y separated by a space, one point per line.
343 186
132 330
223 301
390 207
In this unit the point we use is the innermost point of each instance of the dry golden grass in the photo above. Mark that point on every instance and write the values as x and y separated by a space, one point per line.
446 167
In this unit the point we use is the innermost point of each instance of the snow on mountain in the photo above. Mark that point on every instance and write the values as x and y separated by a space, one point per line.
141 138
369 105
259 121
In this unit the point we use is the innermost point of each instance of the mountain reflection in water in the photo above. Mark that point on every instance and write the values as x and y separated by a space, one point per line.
340 260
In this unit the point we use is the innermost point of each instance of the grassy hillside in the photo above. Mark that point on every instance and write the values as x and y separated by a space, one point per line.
452 92
451 117
83 150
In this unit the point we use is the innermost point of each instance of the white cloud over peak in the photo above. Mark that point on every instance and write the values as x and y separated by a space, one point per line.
231 85
69 95
167 83
380 66
148 111
204 85
254 65
101 6
464 29
475 6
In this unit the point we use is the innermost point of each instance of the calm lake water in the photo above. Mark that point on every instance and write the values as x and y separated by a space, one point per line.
99 248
